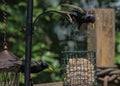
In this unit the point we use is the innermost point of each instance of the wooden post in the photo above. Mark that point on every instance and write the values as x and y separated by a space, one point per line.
102 38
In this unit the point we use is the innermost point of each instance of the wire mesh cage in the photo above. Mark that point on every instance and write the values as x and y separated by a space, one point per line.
79 68
9 79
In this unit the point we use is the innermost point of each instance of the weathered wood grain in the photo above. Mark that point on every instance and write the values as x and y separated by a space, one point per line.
50 84
101 38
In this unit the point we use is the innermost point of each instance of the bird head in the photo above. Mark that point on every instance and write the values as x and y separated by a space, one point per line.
88 18
46 66
36 66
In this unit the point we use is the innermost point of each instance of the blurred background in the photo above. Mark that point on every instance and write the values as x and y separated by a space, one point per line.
51 32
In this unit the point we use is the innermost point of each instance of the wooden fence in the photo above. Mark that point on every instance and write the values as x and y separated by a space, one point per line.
50 84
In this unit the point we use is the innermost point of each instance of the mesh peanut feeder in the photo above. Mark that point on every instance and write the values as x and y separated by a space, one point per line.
79 68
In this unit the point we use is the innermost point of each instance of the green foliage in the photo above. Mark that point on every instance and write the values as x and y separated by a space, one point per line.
117 39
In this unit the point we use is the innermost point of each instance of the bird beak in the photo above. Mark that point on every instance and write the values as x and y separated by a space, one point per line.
92 25
51 69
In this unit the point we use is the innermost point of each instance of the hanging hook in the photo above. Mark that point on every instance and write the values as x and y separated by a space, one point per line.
65 14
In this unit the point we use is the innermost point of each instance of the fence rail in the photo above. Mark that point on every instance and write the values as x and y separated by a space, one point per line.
50 84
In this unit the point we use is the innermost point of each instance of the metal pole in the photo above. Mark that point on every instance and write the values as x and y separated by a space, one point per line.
29 26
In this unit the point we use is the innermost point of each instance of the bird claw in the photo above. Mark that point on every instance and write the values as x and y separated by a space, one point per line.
69 18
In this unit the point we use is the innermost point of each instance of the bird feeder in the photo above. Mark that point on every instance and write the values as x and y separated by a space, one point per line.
9 69
9 63
79 68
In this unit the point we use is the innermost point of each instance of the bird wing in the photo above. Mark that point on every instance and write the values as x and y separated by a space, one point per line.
74 7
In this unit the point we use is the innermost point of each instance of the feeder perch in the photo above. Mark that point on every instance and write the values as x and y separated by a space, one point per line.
9 69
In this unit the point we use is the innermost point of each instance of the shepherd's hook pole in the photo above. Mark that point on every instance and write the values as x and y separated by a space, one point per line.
29 28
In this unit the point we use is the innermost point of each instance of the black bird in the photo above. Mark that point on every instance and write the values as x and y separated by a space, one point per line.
79 15
36 67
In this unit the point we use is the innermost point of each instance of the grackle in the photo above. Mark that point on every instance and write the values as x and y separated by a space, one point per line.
36 67
79 15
